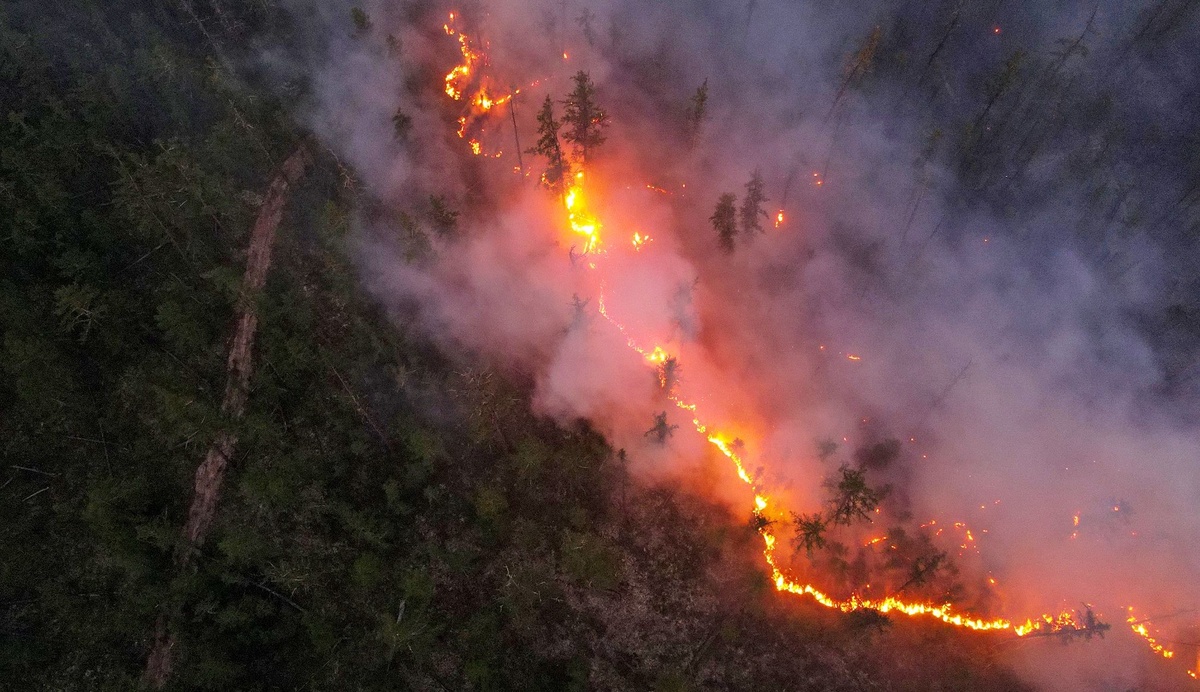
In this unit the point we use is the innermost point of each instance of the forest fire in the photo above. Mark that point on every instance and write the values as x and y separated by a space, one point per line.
581 221
584 223
459 80
1139 628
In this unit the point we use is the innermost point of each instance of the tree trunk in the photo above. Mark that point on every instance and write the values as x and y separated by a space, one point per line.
211 472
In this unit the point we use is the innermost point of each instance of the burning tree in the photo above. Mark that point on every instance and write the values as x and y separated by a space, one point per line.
724 221
584 119
668 374
752 205
557 168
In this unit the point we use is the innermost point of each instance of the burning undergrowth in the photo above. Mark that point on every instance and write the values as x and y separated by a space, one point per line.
733 239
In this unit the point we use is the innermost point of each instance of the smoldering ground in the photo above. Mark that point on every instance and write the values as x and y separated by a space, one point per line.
988 253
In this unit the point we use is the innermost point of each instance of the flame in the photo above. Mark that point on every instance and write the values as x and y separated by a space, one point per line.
583 222
461 76
1139 628
579 218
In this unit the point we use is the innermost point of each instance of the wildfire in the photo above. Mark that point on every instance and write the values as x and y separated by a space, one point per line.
1139 628
583 222
460 78
578 218
464 70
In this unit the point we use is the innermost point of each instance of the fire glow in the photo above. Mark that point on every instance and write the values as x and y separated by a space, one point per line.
585 224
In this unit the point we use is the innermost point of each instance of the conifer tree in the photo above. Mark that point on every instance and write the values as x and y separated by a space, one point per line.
585 121
557 169
697 113
724 221
752 205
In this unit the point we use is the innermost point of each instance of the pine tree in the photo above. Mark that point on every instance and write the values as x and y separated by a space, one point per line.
585 121
697 112
557 169
724 221
752 205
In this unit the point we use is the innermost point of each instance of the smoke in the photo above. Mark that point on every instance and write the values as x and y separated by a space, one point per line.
985 235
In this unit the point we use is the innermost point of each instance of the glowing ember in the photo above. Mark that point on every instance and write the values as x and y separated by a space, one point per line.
583 222
1139 628
578 218
462 76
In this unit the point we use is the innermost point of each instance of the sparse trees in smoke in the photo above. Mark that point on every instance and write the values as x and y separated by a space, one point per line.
662 430
697 113
579 314
810 532
362 21
724 221
445 219
752 205
853 498
548 145
401 125
858 66
585 20
583 118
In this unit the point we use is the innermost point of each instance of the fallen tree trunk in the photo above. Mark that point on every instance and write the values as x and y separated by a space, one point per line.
211 473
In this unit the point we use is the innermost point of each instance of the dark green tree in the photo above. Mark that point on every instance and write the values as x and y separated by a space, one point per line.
853 498
362 21
584 120
662 429
810 532
752 205
724 221
445 219
548 145
696 113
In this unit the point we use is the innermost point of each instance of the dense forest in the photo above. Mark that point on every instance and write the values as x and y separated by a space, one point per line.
394 515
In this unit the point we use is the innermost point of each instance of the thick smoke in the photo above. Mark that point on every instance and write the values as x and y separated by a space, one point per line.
1005 318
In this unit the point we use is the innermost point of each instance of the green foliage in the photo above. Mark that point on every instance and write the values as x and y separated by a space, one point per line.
853 499
724 221
752 212
444 219
810 532
584 120
557 169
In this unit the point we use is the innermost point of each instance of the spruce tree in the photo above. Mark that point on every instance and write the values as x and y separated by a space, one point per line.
752 205
584 119
557 169
724 221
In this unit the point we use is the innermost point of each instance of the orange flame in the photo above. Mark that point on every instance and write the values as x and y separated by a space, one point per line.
579 218
459 78
583 222
1139 628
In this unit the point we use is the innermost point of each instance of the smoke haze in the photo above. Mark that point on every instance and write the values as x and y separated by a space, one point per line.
986 247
